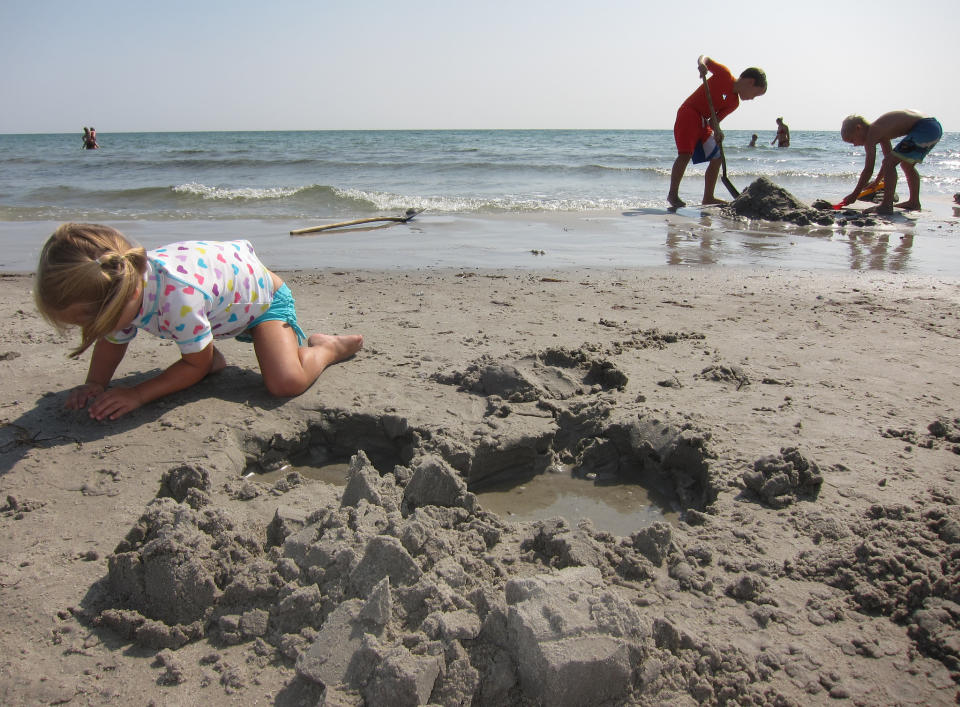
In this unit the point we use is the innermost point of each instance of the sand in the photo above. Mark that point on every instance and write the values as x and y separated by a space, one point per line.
804 427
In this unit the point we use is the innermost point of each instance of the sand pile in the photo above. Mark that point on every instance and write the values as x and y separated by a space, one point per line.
406 592
765 200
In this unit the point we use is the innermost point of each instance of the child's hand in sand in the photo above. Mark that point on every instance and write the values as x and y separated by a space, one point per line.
77 398
115 402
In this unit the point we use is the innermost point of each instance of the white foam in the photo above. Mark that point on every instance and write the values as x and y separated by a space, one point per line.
225 193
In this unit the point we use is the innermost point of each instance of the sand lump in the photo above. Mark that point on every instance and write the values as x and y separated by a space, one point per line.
765 200
782 479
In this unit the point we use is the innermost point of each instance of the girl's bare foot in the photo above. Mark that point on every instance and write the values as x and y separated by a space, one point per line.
218 363
675 201
340 347
714 200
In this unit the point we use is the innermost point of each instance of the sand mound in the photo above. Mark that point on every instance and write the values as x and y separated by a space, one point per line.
782 479
765 200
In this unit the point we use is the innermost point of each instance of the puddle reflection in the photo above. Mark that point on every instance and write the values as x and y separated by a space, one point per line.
692 245
705 241
871 251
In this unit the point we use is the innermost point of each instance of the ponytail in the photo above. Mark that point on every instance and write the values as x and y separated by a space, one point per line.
89 265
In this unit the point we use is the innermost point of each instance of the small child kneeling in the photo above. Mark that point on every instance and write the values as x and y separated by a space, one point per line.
192 292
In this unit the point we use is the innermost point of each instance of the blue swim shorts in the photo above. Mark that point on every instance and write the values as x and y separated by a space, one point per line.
919 141
706 150
283 309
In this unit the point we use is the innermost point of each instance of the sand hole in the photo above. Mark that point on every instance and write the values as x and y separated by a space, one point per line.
324 450
576 461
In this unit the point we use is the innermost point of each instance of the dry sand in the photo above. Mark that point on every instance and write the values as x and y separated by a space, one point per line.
804 425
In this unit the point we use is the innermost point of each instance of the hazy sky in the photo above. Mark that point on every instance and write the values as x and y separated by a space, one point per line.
134 65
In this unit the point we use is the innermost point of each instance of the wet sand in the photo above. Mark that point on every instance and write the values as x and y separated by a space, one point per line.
804 425
927 243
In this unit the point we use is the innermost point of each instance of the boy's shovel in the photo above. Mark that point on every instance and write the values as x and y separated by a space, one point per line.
723 160
873 189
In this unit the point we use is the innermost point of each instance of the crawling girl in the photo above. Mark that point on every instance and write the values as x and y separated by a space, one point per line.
193 292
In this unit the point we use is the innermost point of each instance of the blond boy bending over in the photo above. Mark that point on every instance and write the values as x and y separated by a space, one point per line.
919 132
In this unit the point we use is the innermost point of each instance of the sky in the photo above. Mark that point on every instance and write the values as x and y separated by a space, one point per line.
138 66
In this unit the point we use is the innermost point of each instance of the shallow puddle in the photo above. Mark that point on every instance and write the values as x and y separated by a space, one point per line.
620 508
334 473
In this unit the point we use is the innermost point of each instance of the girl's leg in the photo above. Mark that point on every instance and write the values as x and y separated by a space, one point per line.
289 369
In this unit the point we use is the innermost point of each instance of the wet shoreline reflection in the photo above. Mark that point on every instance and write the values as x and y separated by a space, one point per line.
707 241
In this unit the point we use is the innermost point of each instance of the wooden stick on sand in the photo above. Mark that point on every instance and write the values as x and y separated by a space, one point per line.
410 213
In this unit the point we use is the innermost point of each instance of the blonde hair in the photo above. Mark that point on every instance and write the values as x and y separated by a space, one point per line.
851 122
91 265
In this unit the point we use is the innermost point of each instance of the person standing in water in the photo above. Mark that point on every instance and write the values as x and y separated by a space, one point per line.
90 139
782 138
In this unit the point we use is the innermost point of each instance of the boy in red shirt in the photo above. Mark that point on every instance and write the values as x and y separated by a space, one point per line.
695 132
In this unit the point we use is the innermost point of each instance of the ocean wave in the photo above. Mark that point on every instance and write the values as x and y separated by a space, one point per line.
230 193
480 205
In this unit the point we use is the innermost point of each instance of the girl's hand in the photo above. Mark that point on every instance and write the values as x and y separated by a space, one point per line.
78 397
115 402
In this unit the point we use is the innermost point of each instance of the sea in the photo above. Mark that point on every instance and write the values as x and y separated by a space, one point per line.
490 198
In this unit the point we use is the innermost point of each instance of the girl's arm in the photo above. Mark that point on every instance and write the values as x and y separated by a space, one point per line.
103 363
188 371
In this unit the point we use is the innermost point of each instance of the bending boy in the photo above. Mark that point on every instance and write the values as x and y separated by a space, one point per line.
921 134
696 133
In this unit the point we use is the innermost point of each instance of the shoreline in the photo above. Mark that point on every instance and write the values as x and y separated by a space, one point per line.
924 243
805 596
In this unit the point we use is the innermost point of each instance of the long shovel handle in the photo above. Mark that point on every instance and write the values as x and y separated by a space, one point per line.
723 158
356 222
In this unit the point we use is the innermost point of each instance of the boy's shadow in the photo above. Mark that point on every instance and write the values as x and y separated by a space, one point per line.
49 424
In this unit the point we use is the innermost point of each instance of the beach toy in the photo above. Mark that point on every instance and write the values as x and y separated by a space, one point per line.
723 160
409 214
872 189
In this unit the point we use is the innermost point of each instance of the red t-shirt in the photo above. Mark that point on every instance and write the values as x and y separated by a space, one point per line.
725 99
